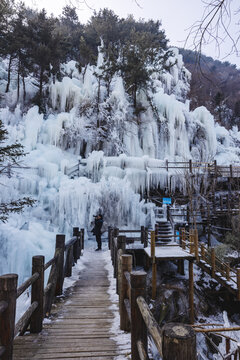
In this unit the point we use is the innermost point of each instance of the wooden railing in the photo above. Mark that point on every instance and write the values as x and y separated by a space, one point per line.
207 259
41 298
190 166
232 348
136 316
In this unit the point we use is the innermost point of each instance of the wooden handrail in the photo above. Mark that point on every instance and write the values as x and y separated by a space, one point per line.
49 263
141 350
47 288
70 242
20 327
151 323
26 284
134 310
130 231
40 297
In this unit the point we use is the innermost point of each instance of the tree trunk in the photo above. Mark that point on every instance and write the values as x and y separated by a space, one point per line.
98 100
41 85
135 96
9 73
18 81
24 88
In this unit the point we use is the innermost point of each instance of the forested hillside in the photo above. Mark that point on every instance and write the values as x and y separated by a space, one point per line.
35 44
216 85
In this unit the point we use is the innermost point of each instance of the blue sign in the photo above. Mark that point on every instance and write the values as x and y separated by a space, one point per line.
177 237
167 201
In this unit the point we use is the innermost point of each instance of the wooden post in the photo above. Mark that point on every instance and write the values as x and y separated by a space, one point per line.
154 266
126 265
152 243
203 252
115 232
228 346
145 237
60 244
227 272
121 245
37 294
188 215
121 242
196 244
76 251
183 239
215 168
180 263
142 234
231 170
8 294
109 237
115 235
168 213
179 342
190 166
213 262
82 232
138 327
238 284
167 165
191 240
69 262
191 292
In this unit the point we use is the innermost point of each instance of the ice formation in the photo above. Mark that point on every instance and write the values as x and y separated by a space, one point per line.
124 153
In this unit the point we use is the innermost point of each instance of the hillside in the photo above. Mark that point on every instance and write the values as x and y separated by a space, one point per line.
216 85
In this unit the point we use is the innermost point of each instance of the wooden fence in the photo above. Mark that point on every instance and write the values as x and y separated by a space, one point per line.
136 316
207 259
173 341
41 298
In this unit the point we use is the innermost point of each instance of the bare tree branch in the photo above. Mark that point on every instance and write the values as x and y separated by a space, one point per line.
216 27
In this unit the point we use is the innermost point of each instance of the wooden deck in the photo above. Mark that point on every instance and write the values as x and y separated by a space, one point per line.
82 327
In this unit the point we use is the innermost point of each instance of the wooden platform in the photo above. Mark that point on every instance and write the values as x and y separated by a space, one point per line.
82 327
169 252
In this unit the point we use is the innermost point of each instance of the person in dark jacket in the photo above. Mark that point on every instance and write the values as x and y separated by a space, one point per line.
97 231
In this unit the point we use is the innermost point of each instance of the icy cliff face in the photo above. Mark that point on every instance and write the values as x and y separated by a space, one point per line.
164 128
124 152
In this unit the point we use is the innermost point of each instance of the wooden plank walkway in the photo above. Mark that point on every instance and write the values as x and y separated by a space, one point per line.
82 328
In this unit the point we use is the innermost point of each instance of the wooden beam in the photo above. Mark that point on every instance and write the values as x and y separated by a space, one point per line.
191 292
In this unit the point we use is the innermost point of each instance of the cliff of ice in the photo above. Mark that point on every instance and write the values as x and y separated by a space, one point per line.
84 119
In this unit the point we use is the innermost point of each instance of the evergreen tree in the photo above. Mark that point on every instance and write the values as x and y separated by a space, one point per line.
6 13
73 31
47 49
9 155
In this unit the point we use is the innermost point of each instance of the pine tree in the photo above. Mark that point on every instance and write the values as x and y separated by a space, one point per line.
9 156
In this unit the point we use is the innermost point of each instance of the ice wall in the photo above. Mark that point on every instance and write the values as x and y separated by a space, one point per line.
124 154
165 128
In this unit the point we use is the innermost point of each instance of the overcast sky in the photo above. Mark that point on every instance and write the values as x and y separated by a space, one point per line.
177 17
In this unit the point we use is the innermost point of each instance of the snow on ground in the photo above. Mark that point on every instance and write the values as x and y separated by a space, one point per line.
123 339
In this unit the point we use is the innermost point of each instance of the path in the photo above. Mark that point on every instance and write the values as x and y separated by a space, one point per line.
82 329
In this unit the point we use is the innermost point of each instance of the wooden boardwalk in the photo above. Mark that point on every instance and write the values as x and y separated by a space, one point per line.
82 327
